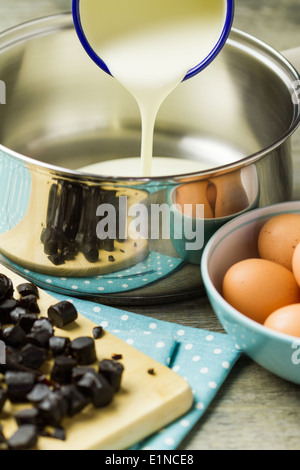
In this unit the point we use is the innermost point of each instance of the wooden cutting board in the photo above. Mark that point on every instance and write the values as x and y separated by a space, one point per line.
144 404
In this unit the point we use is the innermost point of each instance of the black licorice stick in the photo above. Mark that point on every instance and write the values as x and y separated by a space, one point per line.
49 237
86 237
52 204
52 201
82 226
72 212
107 244
53 234
90 247
109 197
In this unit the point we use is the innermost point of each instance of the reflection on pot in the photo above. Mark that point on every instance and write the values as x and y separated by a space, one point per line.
221 198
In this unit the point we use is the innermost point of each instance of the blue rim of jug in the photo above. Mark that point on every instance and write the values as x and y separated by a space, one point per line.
191 73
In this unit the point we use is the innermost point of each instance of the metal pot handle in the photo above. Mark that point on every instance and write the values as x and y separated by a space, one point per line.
293 56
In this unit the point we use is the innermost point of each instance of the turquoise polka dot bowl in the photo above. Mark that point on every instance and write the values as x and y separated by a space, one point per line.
237 240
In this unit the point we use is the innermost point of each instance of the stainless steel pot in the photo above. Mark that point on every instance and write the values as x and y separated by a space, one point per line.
62 113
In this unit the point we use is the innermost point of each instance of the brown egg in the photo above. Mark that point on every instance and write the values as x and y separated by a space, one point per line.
231 195
278 239
258 287
194 193
296 263
285 320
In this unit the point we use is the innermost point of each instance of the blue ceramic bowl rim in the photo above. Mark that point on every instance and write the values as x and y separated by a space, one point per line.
191 73
216 240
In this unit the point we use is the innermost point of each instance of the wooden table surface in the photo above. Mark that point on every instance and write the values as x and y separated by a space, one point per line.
253 409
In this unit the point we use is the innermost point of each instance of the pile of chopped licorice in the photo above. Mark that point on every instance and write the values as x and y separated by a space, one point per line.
73 382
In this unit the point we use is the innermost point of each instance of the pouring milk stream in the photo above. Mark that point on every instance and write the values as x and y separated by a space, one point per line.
150 47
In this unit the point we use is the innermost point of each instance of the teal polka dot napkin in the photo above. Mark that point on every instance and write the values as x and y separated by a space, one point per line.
154 267
203 358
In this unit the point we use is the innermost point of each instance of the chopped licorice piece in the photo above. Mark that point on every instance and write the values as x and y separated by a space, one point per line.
30 303
53 409
59 345
13 359
117 357
3 397
69 252
43 324
16 314
27 320
38 393
57 259
83 350
30 342
96 387
6 306
14 336
62 313
111 259
2 437
79 372
151 372
33 356
27 288
76 400
97 332
62 369
54 433
112 371
28 416
39 338
50 248
19 384
24 438
6 287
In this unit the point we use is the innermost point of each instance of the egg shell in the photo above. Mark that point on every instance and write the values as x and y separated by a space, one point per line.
231 195
257 287
296 263
278 239
285 320
192 194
